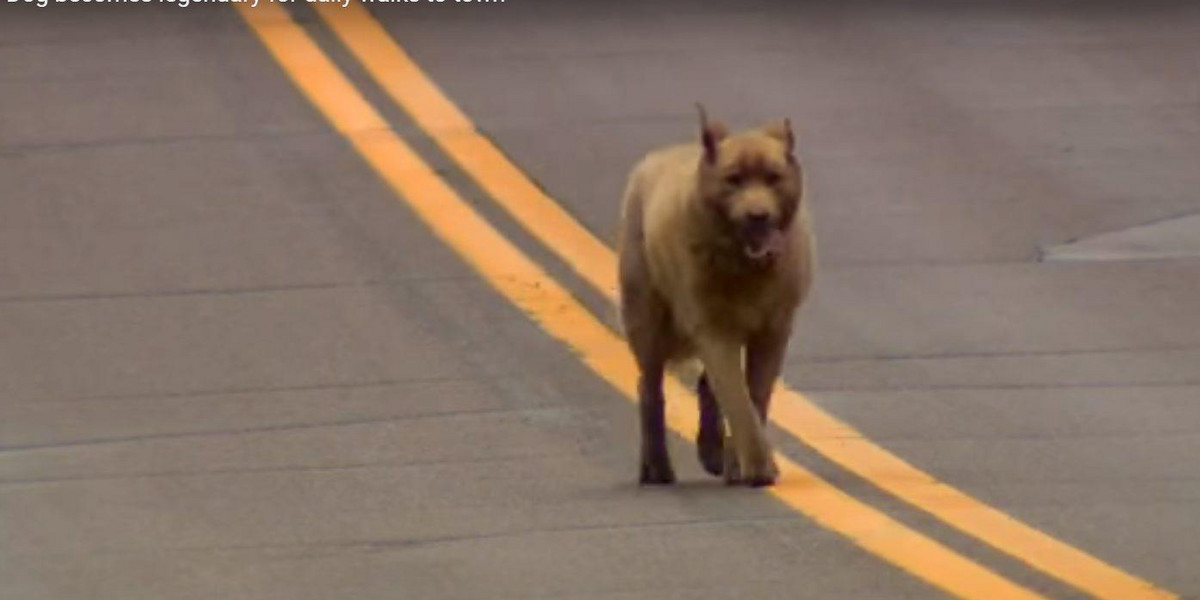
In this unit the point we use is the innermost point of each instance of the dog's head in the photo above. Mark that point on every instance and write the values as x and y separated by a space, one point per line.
751 182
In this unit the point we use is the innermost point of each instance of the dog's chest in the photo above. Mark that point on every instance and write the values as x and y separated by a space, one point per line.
742 305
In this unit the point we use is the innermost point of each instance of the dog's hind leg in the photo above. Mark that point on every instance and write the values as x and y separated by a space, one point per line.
644 317
710 440
645 320
655 461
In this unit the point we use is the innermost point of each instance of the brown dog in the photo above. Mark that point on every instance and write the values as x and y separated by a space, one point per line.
715 255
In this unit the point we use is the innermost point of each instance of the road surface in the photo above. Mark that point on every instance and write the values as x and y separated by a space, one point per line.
250 348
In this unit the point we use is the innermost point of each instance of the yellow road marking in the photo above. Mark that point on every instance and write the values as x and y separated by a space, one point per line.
438 116
530 288
407 84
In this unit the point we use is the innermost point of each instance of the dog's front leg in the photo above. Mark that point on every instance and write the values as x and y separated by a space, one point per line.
749 456
764 359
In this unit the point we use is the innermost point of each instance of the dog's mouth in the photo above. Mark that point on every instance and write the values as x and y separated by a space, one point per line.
764 246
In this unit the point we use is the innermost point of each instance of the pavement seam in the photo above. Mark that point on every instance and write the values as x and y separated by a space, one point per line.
280 389
379 465
997 354
228 291
385 544
416 417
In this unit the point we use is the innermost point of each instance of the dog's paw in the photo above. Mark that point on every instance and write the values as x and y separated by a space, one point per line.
765 473
656 472
762 474
764 478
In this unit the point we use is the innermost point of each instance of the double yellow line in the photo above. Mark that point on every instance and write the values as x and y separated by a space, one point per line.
524 283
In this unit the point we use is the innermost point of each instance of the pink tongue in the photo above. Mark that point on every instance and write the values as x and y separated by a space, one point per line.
772 245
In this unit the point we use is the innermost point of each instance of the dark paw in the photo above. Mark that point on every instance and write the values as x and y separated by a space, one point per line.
757 482
754 482
656 473
762 475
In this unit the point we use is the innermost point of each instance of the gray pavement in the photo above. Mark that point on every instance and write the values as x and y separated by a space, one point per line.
233 366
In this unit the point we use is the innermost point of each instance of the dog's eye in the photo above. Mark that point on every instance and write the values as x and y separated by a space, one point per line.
771 178
733 179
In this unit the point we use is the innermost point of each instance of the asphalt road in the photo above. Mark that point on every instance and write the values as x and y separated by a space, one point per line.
235 364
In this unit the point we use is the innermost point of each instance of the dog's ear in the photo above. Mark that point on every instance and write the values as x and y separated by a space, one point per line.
711 134
782 131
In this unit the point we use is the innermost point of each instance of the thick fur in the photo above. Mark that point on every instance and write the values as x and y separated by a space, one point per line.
715 256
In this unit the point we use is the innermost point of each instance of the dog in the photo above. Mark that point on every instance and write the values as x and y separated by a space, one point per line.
715 255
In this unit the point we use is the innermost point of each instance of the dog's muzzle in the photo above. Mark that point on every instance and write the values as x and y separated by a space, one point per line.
762 240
